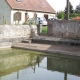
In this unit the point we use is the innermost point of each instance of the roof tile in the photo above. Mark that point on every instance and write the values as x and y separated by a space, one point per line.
32 5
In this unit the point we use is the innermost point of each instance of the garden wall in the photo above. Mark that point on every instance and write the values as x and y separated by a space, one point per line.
64 28
15 33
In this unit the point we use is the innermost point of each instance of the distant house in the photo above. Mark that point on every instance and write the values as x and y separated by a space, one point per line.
18 11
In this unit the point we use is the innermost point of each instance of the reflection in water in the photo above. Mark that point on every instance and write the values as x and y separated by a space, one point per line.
65 65
15 60
26 65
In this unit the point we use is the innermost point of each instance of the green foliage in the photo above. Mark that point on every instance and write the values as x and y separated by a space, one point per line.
61 15
5 22
74 15
77 10
30 21
44 29
70 8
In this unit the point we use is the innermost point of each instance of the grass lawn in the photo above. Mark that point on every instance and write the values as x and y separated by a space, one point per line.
44 29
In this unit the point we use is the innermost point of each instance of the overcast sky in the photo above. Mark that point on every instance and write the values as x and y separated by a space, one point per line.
59 5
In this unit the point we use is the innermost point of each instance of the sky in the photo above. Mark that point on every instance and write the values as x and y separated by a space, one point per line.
59 5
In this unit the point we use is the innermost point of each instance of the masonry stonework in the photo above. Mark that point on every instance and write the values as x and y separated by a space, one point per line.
64 28
10 34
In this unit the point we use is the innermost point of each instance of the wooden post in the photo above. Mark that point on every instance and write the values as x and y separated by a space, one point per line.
67 11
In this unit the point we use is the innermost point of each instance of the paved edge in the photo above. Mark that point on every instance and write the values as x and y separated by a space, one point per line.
48 52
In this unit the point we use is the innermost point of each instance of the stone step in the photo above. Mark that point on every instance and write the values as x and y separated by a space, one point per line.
5 45
59 41
26 41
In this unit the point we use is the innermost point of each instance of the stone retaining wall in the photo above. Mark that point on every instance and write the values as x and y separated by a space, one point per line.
64 28
15 33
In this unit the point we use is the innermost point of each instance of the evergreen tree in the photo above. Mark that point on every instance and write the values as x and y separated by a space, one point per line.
77 10
70 8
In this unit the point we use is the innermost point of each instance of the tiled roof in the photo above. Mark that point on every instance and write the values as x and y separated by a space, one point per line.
32 5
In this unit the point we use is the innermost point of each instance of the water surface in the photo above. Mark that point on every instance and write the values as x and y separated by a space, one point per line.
18 64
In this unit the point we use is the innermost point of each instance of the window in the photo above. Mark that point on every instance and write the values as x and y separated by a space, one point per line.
18 0
17 16
42 3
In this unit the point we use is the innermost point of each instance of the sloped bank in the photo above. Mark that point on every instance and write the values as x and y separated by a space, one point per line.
10 34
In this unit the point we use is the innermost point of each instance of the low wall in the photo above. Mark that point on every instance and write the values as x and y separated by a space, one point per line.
64 28
15 33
